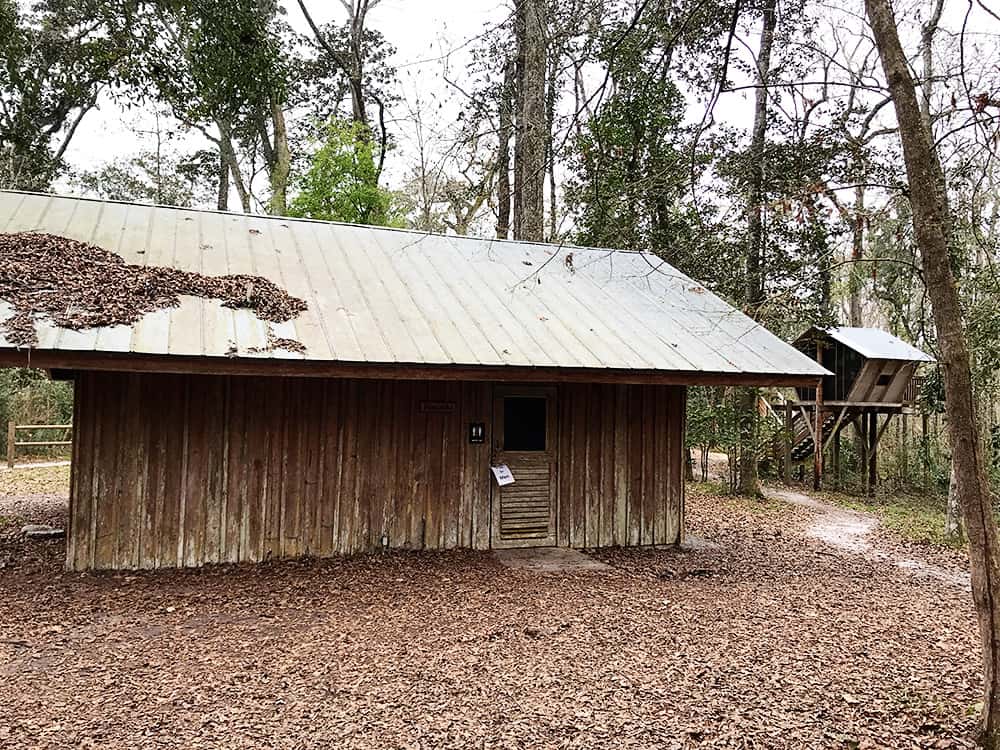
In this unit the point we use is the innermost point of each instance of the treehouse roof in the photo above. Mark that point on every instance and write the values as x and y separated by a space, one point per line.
872 343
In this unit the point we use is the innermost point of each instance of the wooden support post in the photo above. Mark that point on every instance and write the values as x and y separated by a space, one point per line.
818 435
836 460
11 440
818 441
861 426
873 436
925 450
787 443
904 446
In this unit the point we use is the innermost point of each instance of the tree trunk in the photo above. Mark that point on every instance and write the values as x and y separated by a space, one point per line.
749 481
551 95
228 154
749 477
927 32
282 165
503 152
857 253
356 74
932 231
530 139
222 201
756 196
952 516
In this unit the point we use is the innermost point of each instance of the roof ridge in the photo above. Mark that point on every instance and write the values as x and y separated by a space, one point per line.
272 217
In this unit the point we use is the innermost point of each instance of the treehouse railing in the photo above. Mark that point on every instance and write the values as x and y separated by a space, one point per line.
912 393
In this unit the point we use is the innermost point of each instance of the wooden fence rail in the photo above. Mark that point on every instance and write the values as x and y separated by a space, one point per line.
13 443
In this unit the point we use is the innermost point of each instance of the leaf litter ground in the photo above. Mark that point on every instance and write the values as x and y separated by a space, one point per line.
774 640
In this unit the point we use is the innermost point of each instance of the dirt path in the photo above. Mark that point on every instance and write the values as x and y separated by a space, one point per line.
853 532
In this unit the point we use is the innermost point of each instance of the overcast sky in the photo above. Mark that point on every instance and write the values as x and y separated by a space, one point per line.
426 34
430 34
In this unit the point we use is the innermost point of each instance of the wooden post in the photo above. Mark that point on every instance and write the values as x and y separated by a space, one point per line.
925 450
872 453
861 426
905 448
789 437
818 438
818 442
11 439
836 460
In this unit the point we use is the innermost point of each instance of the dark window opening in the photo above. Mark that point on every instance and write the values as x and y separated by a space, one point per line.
523 424
884 380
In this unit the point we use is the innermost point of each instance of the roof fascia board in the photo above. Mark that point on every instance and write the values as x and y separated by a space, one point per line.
172 364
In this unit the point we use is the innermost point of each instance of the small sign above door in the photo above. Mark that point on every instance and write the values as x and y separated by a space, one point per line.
503 474
437 407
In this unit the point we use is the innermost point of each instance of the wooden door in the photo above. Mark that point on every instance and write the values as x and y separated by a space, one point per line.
524 438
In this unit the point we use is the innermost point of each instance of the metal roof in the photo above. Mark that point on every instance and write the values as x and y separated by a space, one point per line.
874 343
388 296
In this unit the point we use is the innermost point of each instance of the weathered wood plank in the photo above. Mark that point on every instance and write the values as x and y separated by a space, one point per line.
620 462
108 476
234 485
233 469
480 480
332 435
81 497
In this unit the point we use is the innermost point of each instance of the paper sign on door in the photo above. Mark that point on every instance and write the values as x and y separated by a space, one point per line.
503 474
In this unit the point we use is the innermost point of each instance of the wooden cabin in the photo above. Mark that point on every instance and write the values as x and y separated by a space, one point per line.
442 392
872 376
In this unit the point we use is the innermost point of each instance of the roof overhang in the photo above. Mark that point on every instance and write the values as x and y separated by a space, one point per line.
270 367
871 343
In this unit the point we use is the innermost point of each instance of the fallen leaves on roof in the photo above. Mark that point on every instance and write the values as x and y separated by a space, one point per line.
77 286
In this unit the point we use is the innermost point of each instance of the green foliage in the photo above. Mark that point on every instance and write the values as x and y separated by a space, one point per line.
28 397
632 163
213 60
56 56
713 423
322 84
711 419
167 179
342 183
801 229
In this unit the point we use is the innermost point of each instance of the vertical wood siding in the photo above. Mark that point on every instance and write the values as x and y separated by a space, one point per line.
173 470
621 465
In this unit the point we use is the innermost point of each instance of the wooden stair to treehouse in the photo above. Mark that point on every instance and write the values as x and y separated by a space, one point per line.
802 442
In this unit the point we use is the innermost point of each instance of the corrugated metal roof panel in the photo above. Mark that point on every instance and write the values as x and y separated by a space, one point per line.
391 296
874 343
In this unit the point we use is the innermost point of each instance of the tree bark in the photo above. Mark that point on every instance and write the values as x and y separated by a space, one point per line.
281 166
927 32
503 152
222 200
749 480
530 139
551 95
932 231
952 516
857 253
755 198
228 155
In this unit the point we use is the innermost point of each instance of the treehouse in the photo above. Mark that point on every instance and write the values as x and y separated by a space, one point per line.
873 377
